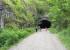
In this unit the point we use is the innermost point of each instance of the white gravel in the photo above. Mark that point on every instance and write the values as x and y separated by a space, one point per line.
42 40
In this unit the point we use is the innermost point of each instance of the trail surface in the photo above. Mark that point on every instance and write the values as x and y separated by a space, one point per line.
42 40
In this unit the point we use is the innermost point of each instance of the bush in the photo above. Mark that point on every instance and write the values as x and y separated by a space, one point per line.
9 37
65 37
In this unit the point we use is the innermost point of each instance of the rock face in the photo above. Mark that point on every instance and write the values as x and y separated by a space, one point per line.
42 40
1 17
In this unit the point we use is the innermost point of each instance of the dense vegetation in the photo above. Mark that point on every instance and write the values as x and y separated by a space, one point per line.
17 15
9 37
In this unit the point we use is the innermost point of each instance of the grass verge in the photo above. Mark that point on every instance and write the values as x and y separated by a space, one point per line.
8 37
64 36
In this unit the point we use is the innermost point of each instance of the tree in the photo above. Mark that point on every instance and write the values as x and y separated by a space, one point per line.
20 10
59 13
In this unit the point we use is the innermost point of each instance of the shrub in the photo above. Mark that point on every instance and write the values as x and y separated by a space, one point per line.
65 37
9 37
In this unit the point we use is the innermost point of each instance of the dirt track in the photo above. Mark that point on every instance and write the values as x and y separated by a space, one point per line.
42 40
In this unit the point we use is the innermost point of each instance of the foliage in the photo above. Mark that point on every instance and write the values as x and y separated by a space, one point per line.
25 13
59 13
65 37
11 36
28 11
21 13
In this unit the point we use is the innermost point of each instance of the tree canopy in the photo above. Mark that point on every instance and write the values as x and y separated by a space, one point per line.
28 11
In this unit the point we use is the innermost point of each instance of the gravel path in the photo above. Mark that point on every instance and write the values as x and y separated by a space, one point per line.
42 40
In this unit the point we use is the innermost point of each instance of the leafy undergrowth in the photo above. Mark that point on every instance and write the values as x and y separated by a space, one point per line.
8 37
64 36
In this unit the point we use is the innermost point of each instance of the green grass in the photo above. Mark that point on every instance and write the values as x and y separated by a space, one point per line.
64 36
8 37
